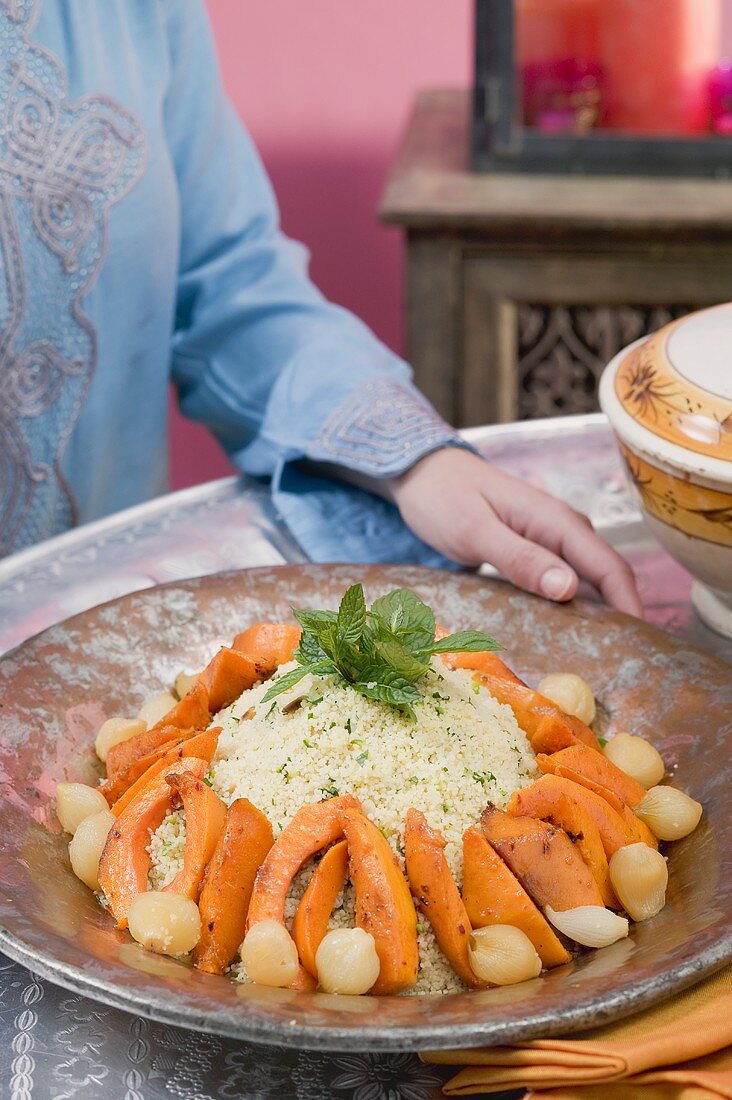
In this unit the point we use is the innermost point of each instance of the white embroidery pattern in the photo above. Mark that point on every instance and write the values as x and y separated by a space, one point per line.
383 429
62 166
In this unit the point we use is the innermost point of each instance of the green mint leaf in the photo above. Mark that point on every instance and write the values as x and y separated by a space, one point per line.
382 651
319 636
309 651
375 630
328 640
294 677
351 660
407 617
389 688
394 656
311 621
466 641
351 615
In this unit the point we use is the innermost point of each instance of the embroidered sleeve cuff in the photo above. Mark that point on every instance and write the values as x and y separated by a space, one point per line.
382 430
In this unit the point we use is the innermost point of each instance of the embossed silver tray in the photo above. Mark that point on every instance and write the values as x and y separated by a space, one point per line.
57 688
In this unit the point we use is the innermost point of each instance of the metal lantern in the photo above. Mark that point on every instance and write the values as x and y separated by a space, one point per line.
502 141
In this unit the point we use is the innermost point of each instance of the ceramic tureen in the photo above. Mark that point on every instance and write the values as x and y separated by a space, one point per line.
669 400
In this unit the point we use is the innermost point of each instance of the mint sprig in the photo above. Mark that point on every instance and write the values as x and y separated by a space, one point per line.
381 651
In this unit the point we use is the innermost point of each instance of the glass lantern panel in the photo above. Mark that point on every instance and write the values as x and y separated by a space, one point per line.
638 66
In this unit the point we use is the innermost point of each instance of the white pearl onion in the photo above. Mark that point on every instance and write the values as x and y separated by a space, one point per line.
115 730
639 876
502 955
156 707
86 847
636 757
347 962
184 681
269 954
669 813
589 925
167 923
572 694
77 801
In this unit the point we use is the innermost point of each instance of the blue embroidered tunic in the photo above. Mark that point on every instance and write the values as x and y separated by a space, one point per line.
139 242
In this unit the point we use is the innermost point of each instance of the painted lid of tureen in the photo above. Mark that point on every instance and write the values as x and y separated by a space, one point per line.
671 393
678 382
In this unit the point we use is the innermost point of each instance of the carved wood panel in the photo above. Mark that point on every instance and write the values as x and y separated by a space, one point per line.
562 351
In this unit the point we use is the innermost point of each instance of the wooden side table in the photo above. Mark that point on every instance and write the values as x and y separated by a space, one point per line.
520 288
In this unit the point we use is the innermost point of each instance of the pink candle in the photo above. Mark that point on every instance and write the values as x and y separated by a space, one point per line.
656 56
556 30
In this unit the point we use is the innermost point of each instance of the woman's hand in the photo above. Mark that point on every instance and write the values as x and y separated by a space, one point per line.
473 513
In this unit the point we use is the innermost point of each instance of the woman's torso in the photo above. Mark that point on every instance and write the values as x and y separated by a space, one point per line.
89 232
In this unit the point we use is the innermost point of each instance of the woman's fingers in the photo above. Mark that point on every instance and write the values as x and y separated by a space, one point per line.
595 560
473 512
523 562
534 566
569 534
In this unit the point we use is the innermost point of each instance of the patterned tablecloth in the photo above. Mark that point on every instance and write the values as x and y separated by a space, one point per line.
57 1045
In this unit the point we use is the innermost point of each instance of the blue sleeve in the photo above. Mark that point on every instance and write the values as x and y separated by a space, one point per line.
259 356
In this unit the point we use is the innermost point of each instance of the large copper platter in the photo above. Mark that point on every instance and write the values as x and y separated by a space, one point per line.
57 688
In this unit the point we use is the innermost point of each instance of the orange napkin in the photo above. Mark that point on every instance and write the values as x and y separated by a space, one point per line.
679 1050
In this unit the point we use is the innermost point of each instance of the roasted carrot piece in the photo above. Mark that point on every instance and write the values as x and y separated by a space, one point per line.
543 859
597 767
201 745
485 661
384 904
312 828
226 676
303 982
530 708
434 889
549 765
554 733
192 710
540 800
269 645
114 788
125 862
163 737
227 885
205 817
316 905
190 713
585 835
638 830
493 895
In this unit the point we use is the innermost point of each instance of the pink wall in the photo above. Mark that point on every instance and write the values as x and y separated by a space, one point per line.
325 87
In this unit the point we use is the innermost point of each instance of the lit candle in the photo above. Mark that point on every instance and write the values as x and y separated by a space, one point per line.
656 57
556 30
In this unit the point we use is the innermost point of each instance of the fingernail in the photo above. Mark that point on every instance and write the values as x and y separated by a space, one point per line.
555 583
